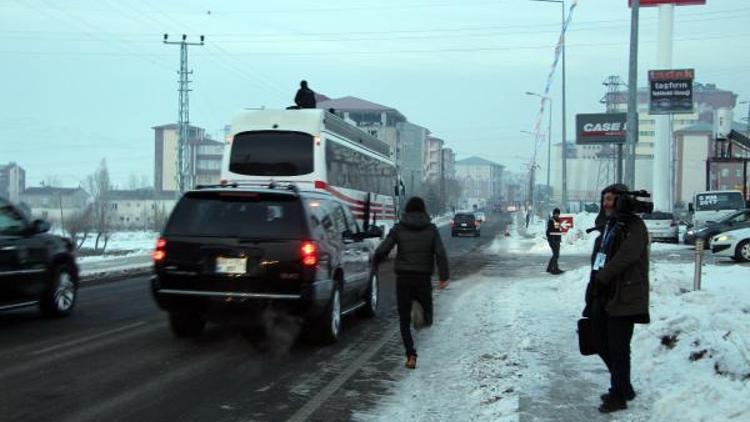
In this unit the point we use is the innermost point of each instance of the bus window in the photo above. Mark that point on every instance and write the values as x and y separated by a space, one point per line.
271 153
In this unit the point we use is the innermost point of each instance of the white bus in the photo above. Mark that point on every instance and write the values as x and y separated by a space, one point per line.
713 205
314 150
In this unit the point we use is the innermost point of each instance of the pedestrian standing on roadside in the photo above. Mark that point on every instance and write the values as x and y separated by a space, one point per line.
419 247
617 296
554 238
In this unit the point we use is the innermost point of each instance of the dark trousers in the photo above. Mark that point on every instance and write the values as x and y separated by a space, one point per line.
612 337
408 288
552 265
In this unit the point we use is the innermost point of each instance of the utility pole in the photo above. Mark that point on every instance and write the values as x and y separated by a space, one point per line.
632 131
613 84
185 170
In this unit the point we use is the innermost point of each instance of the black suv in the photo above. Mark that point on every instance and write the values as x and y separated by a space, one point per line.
233 251
465 223
36 268
737 220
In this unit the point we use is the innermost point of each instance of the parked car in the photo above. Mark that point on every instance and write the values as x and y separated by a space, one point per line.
480 217
234 252
36 267
738 220
662 226
734 244
465 223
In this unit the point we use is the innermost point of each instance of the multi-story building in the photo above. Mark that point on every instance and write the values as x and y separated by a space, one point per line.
376 119
204 152
433 159
449 164
55 204
141 209
412 156
481 180
591 167
12 181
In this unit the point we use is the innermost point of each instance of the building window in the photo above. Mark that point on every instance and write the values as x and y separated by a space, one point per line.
646 133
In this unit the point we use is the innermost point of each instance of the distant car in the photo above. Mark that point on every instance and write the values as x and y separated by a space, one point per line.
662 226
734 244
233 252
36 267
737 220
465 223
480 217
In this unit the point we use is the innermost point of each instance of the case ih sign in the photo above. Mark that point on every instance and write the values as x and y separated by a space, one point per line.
600 128
647 3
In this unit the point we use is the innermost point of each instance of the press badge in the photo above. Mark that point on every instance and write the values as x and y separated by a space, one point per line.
601 257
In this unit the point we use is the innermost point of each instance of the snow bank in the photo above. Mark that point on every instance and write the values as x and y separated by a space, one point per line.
142 242
693 361
532 240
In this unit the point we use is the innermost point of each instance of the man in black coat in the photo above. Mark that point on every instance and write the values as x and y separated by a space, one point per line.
617 296
305 97
554 238
419 247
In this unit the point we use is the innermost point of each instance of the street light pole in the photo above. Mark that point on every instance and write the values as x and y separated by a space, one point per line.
564 123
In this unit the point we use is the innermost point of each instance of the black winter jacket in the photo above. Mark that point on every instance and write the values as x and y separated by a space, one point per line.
419 246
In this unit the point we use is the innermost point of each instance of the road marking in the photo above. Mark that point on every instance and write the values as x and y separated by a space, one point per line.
86 339
323 395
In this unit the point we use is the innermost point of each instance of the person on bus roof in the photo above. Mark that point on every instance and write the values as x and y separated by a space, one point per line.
419 247
305 97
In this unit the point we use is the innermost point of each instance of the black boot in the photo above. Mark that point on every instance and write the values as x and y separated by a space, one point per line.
613 404
629 396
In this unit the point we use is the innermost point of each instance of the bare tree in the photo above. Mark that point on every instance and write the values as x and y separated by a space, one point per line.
133 182
79 225
98 184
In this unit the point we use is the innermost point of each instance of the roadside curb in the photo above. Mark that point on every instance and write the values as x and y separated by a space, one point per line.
104 277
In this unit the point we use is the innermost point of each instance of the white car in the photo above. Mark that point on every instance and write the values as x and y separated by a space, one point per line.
480 217
734 244
662 226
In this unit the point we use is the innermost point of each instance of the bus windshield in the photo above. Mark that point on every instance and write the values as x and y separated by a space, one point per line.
271 153
719 201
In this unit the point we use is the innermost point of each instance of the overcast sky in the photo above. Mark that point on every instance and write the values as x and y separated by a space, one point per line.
85 80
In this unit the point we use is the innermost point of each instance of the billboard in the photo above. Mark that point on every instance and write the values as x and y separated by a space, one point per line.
601 128
671 91
648 3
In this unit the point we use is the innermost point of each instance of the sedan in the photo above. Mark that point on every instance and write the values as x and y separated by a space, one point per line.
734 244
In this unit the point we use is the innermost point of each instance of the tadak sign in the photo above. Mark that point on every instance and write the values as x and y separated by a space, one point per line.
649 3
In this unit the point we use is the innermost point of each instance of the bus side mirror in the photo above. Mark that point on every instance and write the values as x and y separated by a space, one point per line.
690 207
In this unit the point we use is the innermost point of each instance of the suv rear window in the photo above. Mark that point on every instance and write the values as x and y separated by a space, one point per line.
464 217
238 214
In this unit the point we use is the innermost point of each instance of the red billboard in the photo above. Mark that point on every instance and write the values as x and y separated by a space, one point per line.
647 3
566 223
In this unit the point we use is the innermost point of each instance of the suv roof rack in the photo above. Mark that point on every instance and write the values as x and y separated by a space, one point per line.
290 187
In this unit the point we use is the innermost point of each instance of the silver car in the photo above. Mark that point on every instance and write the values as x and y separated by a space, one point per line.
662 226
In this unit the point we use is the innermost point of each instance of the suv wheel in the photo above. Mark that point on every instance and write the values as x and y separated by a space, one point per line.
742 253
329 324
371 301
60 297
186 324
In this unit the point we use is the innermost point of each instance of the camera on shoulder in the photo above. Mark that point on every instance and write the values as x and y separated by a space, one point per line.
628 202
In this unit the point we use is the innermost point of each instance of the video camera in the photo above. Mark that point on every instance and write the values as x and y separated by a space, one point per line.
628 203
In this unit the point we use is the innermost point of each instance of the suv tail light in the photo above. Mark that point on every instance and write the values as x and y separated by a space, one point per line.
309 251
476 223
159 253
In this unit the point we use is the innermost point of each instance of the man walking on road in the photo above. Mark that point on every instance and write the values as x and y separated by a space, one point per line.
617 296
554 238
419 247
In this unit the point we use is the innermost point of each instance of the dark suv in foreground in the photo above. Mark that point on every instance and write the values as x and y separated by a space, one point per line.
465 223
36 267
233 252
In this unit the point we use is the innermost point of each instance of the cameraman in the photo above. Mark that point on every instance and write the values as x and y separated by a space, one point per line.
617 296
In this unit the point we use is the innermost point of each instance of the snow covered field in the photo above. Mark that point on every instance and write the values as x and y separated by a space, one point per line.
505 348
138 246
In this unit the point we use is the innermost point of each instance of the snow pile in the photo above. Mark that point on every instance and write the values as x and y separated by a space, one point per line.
693 361
532 240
